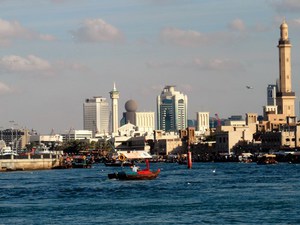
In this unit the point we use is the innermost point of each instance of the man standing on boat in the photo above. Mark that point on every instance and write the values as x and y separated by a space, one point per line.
134 168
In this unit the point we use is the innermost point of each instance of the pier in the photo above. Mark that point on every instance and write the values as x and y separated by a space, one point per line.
30 162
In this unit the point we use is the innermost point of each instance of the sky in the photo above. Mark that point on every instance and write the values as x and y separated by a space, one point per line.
57 53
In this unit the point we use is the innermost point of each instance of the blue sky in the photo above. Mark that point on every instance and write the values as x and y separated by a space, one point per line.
56 53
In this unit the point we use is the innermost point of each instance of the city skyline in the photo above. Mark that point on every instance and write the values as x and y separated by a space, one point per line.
57 53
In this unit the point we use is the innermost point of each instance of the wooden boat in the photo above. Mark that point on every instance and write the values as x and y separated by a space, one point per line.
140 175
145 174
81 161
267 159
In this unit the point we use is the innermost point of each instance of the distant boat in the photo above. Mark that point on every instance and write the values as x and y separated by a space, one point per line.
6 150
80 161
267 159
42 149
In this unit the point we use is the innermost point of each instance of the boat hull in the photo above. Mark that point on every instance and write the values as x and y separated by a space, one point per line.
140 175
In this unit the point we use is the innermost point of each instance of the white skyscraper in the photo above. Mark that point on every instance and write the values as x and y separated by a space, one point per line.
96 115
171 110
202 121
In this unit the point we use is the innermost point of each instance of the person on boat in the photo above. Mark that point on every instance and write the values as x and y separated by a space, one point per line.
134 168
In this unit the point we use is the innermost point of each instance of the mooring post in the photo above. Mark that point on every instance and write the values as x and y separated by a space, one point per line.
189 157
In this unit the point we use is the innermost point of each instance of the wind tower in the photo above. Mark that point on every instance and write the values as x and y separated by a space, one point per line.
114 95
285 97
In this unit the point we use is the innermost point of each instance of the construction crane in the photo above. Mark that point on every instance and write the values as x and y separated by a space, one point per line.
218 119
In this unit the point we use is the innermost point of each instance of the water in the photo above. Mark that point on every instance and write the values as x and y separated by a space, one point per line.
234 194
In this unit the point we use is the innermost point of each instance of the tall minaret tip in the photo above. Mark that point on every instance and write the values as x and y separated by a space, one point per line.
115 87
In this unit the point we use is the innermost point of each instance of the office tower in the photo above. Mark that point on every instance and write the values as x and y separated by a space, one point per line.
114 95
96 116
271 94
145 121
285 97
171 110
202 121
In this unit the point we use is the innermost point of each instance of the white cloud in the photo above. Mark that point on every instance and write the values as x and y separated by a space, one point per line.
31 63
34 65
97 30
237 30
286 5
182 37
10 30
5 89
237 25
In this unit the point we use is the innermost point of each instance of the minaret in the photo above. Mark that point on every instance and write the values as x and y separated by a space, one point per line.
114 95
285 96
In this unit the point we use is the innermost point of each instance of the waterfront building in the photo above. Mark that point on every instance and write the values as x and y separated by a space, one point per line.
46 139
144 121
282 109
202 122
130 138
96 116
114 95
171 110
285 97
72 135
166 143
15 138
236 133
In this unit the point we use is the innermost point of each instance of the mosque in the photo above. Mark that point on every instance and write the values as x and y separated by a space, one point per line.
279 128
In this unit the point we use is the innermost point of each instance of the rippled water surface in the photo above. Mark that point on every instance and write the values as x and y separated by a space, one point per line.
233 194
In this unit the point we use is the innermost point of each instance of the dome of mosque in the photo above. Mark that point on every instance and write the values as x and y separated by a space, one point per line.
131 106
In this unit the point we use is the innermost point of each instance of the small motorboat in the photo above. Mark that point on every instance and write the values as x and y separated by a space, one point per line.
145 174
267 159
129 175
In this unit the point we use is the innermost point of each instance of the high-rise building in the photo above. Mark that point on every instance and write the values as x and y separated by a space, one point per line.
114 95
145 121
171 110
285 97
96 115
202 121
271 94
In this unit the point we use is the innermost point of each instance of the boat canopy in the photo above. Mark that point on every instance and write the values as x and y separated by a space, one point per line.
246 154
135 154
269 155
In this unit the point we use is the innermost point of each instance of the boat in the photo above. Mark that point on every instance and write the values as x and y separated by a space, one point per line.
80 161
145 174
6 150
267 159
41 149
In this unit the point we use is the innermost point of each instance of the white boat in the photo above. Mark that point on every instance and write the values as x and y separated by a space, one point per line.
6 150
42 149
